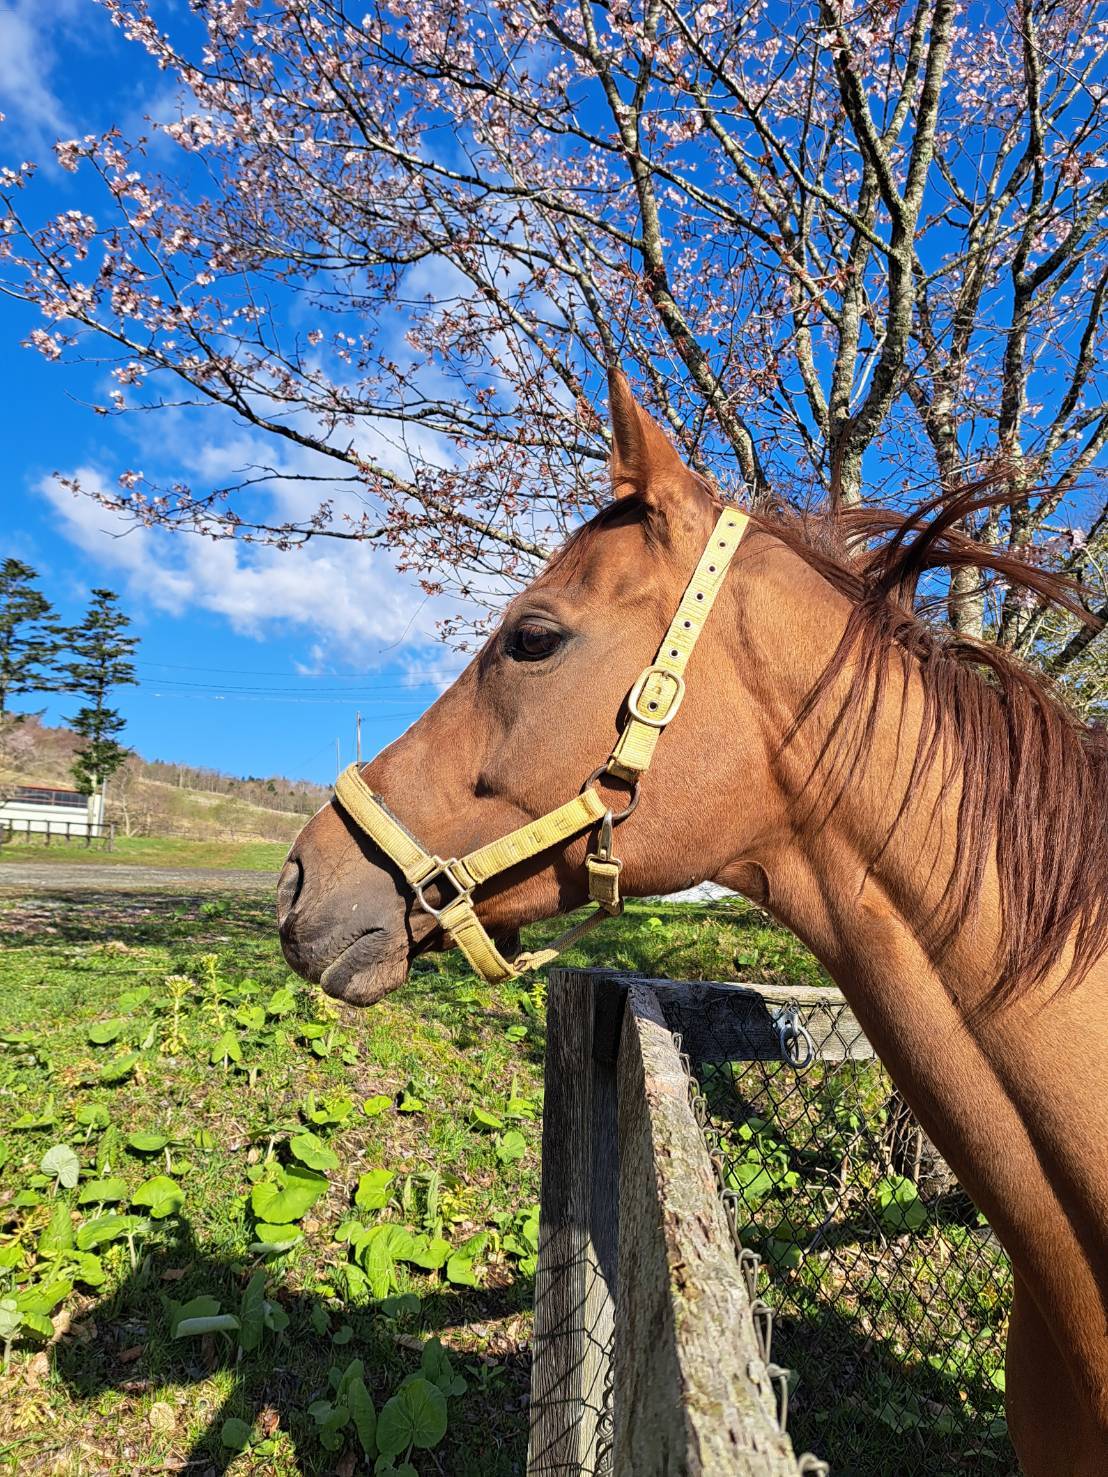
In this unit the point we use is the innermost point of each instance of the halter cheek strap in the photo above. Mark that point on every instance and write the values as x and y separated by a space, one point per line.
652 703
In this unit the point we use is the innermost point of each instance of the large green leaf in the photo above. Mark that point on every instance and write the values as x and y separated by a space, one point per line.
310 1149
102 1192
57 1236
280 1204
162 1195
252 1313
415 1416
373 1189
102 1229
363 1413
102 1033
61 1162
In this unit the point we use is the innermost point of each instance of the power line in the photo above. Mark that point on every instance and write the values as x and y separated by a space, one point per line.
434 677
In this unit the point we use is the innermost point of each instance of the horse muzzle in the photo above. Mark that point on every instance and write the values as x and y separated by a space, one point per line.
342 920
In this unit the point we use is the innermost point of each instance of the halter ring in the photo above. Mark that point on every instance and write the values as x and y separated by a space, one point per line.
618 815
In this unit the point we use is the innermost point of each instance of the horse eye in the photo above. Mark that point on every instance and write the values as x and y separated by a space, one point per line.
531 643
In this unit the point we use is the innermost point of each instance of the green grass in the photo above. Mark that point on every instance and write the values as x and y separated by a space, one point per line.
212 1046
154 851
182 988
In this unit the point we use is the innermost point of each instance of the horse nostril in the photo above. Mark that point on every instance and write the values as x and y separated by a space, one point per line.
289 884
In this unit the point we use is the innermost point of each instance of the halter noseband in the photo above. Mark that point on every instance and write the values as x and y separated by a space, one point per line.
651 704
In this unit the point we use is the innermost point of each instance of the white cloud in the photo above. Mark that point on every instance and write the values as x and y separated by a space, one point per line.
35 115
340 594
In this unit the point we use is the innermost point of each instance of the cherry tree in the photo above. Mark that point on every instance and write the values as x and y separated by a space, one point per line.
836 244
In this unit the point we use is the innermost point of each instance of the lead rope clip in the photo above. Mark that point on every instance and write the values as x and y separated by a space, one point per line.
603 869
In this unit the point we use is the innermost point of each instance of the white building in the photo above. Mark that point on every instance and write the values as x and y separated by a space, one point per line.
52 812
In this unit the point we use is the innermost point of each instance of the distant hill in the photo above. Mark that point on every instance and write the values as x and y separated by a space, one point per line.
155 798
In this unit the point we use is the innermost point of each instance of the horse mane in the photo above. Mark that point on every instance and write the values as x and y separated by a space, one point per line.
1031 775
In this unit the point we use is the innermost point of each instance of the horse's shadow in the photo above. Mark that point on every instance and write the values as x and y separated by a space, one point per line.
123 1343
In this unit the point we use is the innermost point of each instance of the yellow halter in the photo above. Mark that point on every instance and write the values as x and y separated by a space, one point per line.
651 704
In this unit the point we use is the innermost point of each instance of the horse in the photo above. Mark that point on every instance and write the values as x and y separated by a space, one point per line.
923 811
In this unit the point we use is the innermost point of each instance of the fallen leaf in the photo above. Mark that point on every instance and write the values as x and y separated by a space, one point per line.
37 1369
128 1356
269 1419
161 1417
173 1274
63 1322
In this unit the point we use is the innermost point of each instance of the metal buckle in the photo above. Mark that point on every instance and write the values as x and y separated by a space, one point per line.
654 720
440 869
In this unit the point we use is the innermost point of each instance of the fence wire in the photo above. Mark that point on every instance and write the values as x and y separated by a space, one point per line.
889 1293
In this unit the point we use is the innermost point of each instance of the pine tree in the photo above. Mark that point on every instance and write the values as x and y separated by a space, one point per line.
28 639
101 652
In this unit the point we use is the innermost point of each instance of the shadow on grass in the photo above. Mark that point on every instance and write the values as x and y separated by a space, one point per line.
131 1353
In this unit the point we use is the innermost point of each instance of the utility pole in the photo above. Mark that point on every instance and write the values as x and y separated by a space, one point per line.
358 733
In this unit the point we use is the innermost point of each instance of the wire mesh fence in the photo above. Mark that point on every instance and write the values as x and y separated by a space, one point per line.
889 1291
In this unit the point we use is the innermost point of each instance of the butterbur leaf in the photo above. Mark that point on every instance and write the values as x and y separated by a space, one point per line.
204 1306
280 1002
86 1268
276 1319
102 1192
234 1434
196 1327
301 1189
102 1229
482 1119
43 1297
510 1146
310 1149
146 1143
58 1235
10 1319
373 1189
376 1104
252 1313
461 1266
364 1415
227 1048
120 1069
92 1115
162 1195
102 1033
251 1016
273 1239
404 1303
62 1163
415 1416
132 999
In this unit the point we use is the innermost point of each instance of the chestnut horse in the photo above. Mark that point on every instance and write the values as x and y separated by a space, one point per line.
922 813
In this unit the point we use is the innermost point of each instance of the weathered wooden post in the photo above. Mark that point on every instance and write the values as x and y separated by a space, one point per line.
645 1360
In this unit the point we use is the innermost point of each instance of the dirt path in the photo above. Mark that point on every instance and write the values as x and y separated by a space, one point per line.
25 877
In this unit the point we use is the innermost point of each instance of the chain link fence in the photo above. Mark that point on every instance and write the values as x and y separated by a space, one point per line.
880 1294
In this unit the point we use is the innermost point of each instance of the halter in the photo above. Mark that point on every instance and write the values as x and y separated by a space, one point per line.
652 703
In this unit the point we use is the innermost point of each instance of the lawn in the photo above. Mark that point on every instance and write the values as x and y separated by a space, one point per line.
153 851
236 1216
243 1226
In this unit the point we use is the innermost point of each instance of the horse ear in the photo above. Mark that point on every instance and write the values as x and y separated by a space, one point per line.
644 460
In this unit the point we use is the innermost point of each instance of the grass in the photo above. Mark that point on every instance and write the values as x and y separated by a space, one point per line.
153 851
400 1147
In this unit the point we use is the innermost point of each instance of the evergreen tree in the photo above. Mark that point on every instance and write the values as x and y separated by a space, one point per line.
28 640
101 659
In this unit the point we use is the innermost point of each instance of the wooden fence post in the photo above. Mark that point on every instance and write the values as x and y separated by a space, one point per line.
693 1393
575 1285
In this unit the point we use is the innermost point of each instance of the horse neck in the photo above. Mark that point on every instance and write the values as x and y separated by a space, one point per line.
998 1094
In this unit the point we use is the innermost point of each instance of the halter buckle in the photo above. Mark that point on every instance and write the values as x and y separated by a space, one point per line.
440 869
650 714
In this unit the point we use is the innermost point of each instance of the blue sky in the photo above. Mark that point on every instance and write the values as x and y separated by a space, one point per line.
252 660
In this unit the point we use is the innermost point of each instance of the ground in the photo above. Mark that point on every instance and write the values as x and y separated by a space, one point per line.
236 1217
154 1033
